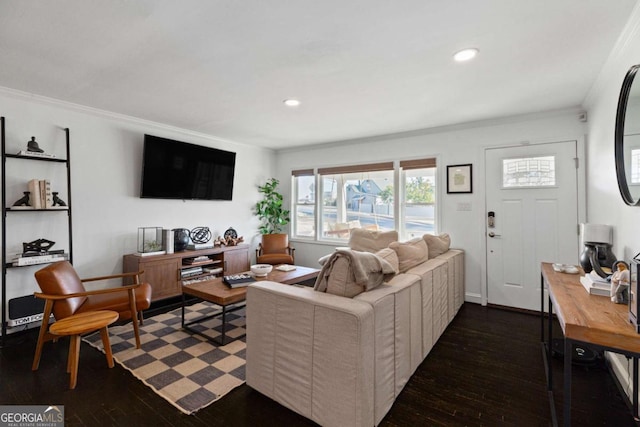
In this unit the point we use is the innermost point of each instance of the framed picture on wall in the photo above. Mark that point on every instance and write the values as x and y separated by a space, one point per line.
459 179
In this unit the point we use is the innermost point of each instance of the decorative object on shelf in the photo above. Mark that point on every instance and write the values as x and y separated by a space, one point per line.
230 241
167 240
24 200
270 209
597 254
33 146
230 233
39 246
200 235
180 239
150 240
460 178
620 282
57 201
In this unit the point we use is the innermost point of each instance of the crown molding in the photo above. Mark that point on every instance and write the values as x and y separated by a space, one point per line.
616 61
440 129
110 115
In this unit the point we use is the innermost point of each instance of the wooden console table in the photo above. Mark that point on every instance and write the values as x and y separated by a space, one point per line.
584 318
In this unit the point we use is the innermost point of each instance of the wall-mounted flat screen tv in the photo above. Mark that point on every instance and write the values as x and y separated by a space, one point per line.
179 170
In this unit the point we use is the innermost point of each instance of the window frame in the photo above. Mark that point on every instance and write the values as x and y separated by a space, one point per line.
398 171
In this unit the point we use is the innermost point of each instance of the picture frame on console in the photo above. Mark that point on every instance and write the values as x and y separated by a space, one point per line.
459 178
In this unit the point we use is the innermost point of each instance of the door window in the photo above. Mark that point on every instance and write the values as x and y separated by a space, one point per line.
529 172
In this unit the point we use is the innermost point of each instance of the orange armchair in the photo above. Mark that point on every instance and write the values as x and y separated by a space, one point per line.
274 249
65 295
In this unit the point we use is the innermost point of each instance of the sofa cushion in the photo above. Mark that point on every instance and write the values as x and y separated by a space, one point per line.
410 253
391 257
371 241
437 244
348 273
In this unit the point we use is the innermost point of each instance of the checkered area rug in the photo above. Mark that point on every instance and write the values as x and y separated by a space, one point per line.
187 370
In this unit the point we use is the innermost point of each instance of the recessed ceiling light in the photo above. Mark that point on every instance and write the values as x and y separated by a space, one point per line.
291 102
465 54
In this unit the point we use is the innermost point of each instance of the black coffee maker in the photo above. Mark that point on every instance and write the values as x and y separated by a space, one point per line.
597 254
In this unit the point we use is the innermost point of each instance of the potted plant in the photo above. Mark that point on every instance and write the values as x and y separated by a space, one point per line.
270 210
274 248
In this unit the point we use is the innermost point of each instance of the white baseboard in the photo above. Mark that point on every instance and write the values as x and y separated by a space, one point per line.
475 298
622 369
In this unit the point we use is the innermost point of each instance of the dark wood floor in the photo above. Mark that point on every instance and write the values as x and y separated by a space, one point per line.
486 370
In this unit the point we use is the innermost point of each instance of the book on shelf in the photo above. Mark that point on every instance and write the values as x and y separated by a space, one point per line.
187 272
22 261
34 190
49 252
35 154
593 289
593 279
238 280
46 199
196 260
189 281
212 270
199 246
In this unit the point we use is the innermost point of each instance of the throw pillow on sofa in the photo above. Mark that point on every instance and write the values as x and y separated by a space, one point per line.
410 253
348 273
391 257
437 244
371 241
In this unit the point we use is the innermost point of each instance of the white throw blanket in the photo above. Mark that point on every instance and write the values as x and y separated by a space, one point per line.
369 270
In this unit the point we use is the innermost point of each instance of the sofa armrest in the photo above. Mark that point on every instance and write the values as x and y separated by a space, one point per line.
312 352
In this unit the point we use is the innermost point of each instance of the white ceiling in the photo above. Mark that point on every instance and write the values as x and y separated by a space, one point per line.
360 67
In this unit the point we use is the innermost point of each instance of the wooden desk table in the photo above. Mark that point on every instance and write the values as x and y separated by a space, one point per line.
584 318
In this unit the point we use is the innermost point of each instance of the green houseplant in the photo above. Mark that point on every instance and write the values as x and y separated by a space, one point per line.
270 209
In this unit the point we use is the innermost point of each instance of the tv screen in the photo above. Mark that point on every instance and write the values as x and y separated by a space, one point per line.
179 170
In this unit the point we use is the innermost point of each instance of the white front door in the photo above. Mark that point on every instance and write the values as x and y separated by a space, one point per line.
532 196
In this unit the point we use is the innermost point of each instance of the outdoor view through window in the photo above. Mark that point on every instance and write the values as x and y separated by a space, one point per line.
365 197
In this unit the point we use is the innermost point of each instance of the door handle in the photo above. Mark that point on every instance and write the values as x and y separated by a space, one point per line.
492 234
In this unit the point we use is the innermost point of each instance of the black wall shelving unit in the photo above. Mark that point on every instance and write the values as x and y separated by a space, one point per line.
7 212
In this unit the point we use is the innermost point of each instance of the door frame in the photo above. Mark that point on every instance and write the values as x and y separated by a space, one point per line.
581 197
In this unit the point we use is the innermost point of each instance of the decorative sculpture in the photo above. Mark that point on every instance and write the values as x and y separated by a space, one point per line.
620 283
228 241
39 246
33 146
200 235
24 200
57 201
180 239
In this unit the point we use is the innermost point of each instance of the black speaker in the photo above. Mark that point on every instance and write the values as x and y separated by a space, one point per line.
25 306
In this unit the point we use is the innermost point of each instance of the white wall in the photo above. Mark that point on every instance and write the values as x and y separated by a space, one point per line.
605 204
453 145
106 156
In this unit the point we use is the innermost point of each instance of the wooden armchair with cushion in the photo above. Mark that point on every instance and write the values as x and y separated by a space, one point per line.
65 295
274 250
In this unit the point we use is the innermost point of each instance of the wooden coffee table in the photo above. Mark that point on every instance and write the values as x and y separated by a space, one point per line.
229 299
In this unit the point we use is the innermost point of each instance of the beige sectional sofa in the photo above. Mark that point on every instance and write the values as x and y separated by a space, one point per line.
343 361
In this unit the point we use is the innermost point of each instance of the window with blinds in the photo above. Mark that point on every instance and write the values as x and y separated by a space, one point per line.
365 196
